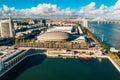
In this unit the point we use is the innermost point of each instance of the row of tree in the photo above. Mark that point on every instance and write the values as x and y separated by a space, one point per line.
50 44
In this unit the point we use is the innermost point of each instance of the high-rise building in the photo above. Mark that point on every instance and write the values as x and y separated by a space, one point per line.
43 22
85 22
7 28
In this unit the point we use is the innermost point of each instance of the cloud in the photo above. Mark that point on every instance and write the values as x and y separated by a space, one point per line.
53 11
103 7
117 5
43 8
7 11
91 6
103 11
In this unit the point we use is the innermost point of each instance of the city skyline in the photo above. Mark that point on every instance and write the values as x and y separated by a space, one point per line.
52 9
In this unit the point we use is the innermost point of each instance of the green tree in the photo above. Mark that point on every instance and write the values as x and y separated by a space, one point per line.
28 42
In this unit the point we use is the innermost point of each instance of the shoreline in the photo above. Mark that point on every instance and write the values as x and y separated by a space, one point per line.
112 61
82 56
64 56
85 57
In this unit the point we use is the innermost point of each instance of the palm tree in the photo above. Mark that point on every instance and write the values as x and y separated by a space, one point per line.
38 43
16 42
28 42
45 44
72 45
33 42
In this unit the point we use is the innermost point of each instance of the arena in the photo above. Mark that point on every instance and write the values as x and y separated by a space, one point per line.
54 36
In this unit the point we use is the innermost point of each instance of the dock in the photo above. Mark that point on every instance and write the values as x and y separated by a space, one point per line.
83 56
9 64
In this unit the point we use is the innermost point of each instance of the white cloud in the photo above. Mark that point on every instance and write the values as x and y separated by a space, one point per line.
117 5
103 7
103 11
43 8
52 10
91 6
6 9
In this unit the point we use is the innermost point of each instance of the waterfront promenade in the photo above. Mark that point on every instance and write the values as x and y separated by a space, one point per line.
79 55
63 54
60 54
112 61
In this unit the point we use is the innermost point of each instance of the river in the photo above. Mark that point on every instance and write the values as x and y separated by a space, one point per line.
110 31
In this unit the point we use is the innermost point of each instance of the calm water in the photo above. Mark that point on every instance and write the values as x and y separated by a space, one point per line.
111 33
42 68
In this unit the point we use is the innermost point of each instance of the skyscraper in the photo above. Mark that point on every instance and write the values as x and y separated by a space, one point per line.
7 28
43 22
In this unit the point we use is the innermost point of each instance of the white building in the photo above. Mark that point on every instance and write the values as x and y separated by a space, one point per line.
79 39
84 22
68 29
7 28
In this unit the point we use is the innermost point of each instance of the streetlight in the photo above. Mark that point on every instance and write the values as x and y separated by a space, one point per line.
93 30
102 39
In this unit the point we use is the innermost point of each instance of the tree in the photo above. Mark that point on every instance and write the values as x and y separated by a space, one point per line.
33 42
16 41
28 42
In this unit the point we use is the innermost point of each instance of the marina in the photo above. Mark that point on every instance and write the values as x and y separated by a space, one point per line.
62 67
78 69
78 54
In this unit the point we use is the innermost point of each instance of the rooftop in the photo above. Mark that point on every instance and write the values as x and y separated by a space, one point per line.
67 29
55 35
6 51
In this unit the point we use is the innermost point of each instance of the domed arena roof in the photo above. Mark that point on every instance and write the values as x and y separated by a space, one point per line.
53 36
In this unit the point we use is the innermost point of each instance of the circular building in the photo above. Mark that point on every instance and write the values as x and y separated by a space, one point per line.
53 36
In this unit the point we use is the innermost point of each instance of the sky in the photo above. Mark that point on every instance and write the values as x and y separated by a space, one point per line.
74 4
60 8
